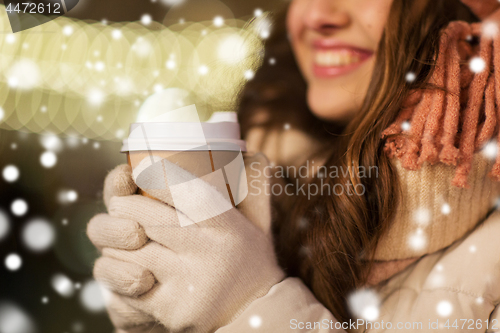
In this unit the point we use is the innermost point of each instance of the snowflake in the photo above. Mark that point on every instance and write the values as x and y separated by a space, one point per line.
232 49
120 133
51 142
417 240
364 303
218 21
170 64
68 30
490 29
38 235
490 150
48 159
444 308
13 262
410 77
67 196
203 70
405 126
172 2
255 321
146 19
10 38
99 66
19 207
92 296
477 65
142 47
445 209
422 216
10 173
249 74
96 96
62 285
24 74
116 34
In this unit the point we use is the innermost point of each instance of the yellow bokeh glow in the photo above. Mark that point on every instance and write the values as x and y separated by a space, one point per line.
89 79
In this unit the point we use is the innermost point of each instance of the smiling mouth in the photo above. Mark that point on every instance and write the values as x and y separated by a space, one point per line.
336 58
333 62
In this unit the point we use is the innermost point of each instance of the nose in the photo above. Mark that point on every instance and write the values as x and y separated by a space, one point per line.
326 16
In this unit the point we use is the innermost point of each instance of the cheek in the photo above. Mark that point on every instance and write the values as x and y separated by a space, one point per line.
294 20
296 28
375 16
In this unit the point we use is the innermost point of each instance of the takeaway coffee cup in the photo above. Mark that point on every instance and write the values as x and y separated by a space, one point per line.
211 151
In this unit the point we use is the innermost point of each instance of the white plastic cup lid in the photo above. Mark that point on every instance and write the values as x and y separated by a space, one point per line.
220 132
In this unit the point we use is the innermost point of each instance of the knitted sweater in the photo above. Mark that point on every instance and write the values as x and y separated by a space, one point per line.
444 240
436 144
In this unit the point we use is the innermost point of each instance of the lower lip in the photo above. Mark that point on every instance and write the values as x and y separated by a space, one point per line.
336 71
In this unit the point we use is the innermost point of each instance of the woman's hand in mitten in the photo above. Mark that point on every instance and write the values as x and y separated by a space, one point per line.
125 235
207 272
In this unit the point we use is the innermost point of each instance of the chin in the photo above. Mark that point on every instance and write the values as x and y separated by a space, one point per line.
332 106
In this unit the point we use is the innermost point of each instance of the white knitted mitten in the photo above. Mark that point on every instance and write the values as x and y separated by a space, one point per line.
206 273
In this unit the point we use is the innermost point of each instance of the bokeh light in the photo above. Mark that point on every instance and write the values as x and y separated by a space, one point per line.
172 2
13 262
23 74
218 21
255 321
146 19
477 65
19 207
63 285
444 308
4 225
51 142
38 235
48 159
92 296
60 82
418 240
364 303
232 49
10 173
13 319
67 196
490 150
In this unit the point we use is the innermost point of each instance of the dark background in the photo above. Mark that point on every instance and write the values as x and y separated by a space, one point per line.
82 168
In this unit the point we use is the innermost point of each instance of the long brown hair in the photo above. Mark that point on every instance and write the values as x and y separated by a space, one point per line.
328 241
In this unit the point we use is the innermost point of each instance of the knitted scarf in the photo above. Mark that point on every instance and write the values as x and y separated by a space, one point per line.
450 123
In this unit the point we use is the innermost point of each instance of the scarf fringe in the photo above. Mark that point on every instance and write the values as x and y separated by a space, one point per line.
450 123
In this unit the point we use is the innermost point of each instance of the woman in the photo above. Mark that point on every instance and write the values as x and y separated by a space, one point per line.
421 233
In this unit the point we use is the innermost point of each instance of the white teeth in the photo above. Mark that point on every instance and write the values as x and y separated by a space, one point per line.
335 58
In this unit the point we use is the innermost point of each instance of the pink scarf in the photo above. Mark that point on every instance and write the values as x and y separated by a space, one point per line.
449 125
